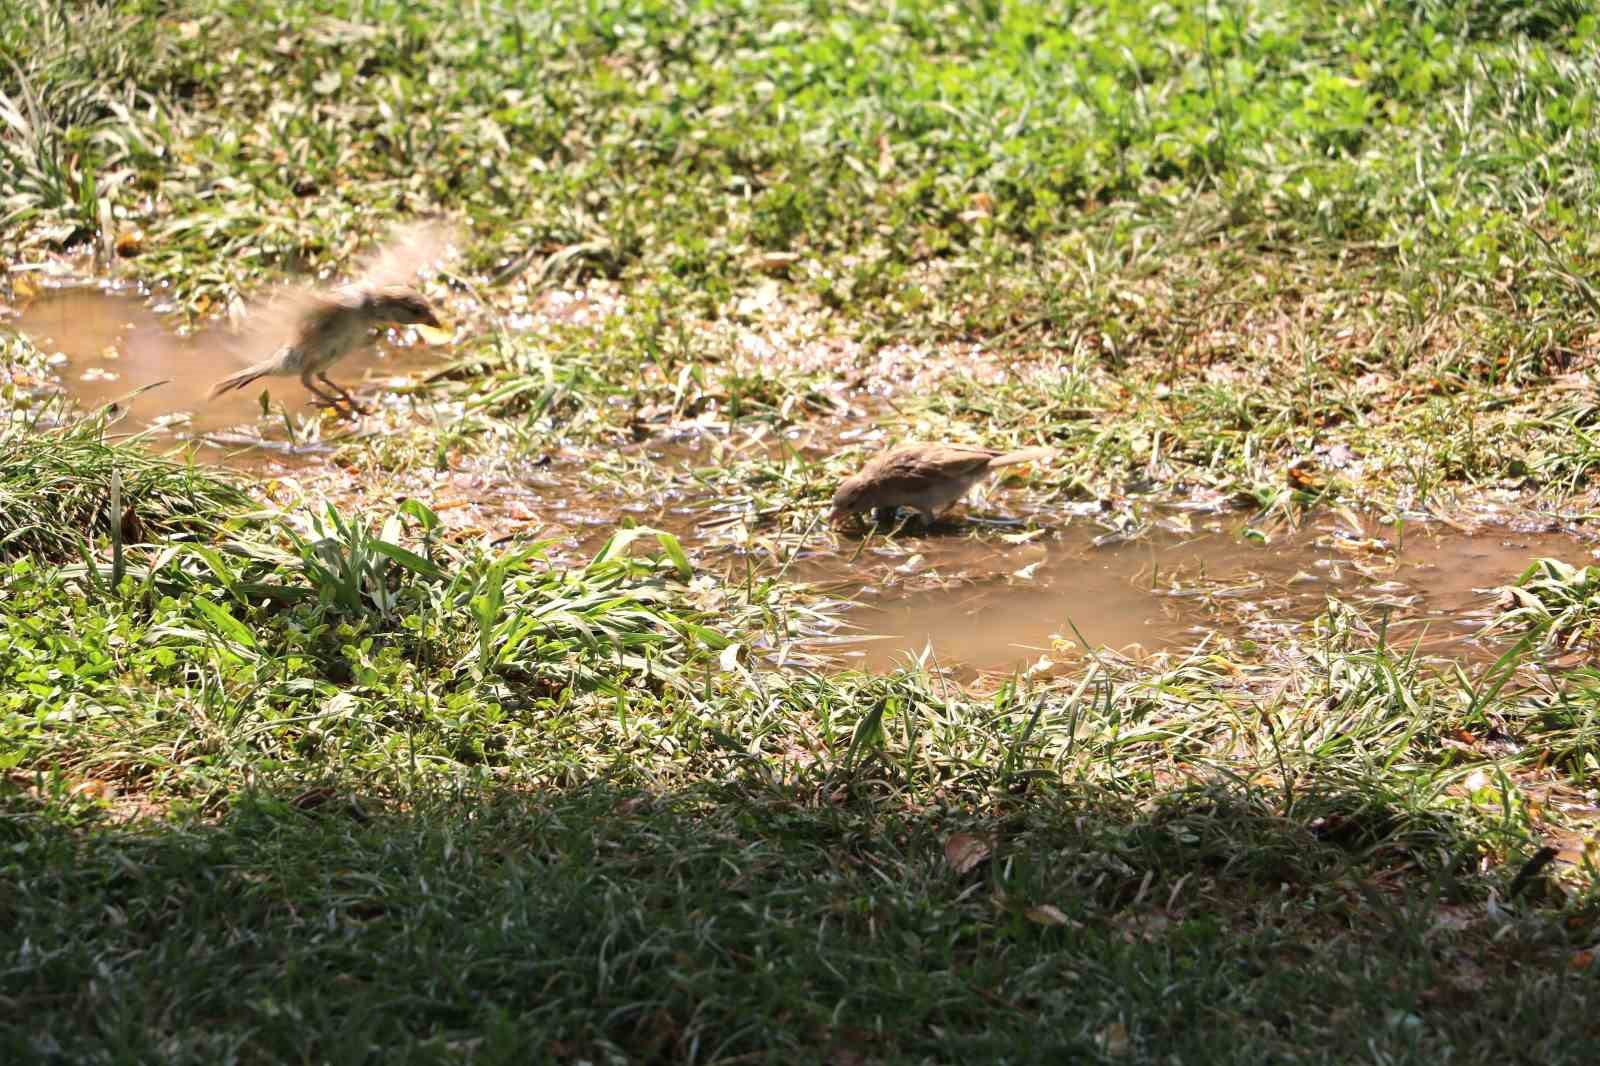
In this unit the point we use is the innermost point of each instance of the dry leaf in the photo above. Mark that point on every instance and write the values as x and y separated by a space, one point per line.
93 788
1371 545
885 157
1047 914
774 262
1306 478
1113 1039
312 798
964 852
131 528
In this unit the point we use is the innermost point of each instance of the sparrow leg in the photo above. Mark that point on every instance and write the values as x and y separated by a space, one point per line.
349 399
322 398
894 519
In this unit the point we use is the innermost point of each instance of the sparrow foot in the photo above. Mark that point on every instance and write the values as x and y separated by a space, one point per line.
345 409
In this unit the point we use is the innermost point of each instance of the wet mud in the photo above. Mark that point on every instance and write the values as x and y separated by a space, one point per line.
979 593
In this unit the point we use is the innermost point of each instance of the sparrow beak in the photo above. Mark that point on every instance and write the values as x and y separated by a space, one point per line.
435 331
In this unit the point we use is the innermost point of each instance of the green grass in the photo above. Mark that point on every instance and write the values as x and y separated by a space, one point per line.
54 492
311 793
602 923
1379 221
301 772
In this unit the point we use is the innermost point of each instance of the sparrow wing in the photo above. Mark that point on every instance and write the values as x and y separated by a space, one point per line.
406 252
295 314
1023 455
283 317
913 467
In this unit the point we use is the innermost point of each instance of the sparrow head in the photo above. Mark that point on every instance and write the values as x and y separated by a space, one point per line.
853 495
401 307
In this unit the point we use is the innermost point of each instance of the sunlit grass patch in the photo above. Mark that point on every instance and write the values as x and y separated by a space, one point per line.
1555 602
56 492
319 773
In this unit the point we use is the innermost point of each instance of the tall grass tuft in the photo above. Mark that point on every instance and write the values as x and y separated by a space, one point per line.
55 487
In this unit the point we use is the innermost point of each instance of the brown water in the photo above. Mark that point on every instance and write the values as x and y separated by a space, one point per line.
106 345
988 595
1050 599
1004 600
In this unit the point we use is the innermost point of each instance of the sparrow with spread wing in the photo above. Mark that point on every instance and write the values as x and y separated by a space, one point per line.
924 477
308 331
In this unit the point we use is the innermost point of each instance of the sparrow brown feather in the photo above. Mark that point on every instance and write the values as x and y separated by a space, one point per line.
307 330
925 477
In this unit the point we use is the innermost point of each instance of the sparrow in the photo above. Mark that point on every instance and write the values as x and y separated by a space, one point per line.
307 331
331 328
924 477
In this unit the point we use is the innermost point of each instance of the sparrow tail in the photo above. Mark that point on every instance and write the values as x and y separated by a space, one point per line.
241 379
1022 455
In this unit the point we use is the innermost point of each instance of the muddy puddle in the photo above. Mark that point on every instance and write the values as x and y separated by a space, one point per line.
982 594
107 345
1060 596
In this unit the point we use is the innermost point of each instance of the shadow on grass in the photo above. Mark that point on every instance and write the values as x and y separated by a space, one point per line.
775 925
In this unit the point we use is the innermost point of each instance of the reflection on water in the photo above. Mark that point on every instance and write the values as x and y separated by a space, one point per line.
1171 592
113 344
